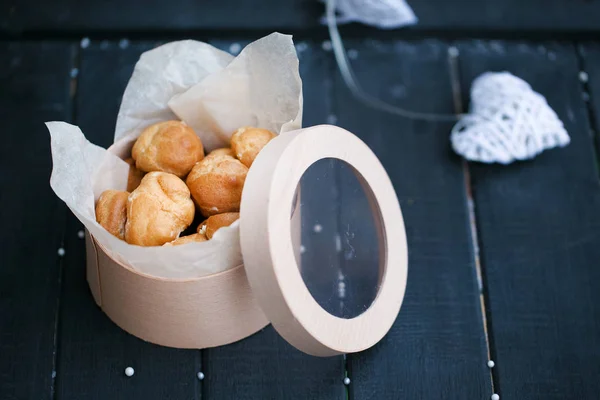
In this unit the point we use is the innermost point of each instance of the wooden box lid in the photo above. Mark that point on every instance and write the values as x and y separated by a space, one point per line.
268 245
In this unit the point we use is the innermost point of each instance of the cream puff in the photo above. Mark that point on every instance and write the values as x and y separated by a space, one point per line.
158 210
135 175
196 237
215 222
216 184
224 151
247 142
111 211
169 146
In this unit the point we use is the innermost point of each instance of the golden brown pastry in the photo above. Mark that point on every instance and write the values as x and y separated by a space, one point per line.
169 146
135 175
213 223
216 184
196 237
247 142
111 211
224 151
158 210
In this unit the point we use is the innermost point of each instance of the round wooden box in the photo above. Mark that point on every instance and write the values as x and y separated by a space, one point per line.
229 306
192 314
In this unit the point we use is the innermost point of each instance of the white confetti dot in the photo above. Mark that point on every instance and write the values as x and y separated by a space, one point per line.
300 47
123 43
318 228
74 72
398 91
346 381
583 76
352 54
495 397
129 371
80 234
235 48
452 51
585 96
491 364
200 375
85 42
338 243
61 252
302 249
326 45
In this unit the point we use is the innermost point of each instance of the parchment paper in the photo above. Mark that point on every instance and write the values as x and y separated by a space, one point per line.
212 92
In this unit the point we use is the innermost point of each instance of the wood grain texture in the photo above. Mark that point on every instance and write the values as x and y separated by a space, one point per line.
590 54
264 366
360 258
436 348
158 15
181 15
193 314
539 226
551 16
94 352
34 82
319 207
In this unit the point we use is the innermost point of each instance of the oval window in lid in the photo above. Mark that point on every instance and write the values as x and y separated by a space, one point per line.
282 218
337 238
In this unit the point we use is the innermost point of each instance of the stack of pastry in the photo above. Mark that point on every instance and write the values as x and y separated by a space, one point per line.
170 179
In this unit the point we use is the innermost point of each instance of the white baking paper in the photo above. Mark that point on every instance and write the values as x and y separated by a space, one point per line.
211 91
233 97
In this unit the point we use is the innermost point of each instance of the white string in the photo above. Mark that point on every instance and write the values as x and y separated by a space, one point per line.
352 83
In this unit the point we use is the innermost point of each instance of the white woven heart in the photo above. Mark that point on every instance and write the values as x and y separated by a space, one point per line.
384 14
508 121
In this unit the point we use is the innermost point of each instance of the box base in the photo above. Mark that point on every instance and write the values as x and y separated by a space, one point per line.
192 314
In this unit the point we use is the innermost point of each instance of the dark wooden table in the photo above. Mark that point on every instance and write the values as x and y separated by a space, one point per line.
504 260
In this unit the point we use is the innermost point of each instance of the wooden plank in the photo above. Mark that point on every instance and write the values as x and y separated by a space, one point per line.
590 54
539 227
264 366
358 248
94 352
68 15
318 259
136 16
436 348
545 16
34 78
